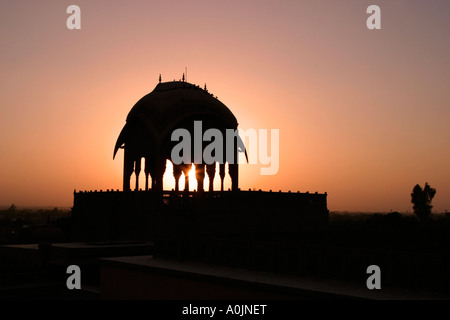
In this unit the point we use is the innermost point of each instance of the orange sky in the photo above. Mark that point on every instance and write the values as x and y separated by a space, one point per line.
363 115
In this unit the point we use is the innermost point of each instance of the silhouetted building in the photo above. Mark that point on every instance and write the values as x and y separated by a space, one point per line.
150 123
178 218
160 244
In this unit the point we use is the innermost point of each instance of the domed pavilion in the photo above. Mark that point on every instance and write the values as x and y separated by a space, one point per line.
148 130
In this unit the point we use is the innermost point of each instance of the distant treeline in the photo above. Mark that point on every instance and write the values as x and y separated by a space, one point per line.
17 225
392 230
346 229
33 216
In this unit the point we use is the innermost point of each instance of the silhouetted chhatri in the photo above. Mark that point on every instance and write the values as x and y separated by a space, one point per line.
178 218
150 123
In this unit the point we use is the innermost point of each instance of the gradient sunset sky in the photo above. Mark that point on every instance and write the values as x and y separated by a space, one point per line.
363 114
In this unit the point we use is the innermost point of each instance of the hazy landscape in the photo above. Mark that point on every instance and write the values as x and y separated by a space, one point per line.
372 229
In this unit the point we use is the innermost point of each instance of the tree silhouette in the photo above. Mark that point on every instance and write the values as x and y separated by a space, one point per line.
421 198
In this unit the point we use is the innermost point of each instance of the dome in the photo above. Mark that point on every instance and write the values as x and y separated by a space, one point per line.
171 105
171 99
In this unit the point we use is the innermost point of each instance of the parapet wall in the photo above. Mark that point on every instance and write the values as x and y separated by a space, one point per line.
147 215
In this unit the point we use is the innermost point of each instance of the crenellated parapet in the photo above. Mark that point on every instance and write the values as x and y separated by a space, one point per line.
142 215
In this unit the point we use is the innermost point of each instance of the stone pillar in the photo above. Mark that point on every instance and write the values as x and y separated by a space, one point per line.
159 174
221 174
185 168
137 171
127 170
211 171
147 172
233 170
200 176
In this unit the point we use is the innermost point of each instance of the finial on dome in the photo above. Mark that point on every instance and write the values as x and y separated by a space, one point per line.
183 77
160 78
206 89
